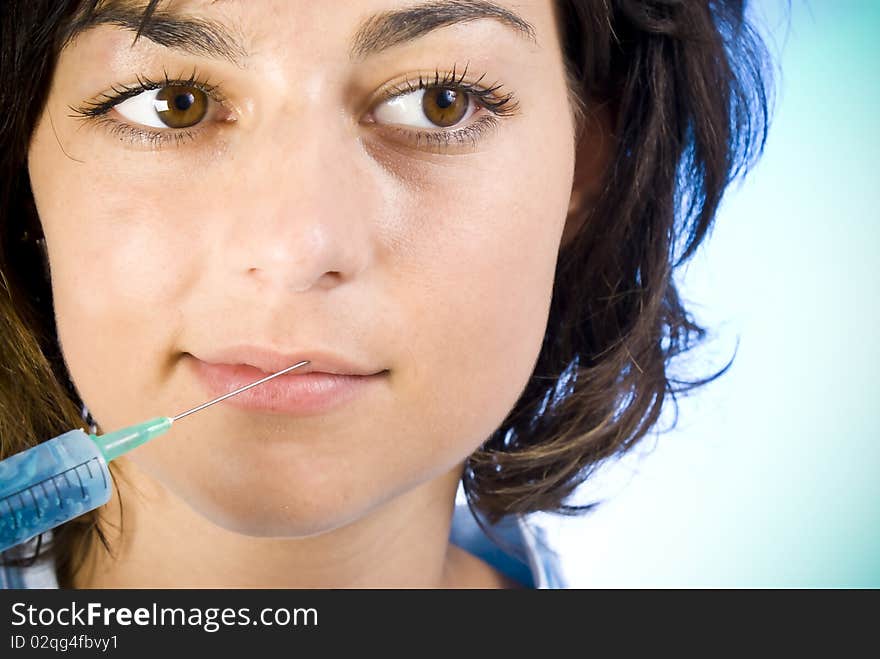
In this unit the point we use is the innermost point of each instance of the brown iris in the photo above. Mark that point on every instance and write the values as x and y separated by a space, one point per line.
183 107
444 106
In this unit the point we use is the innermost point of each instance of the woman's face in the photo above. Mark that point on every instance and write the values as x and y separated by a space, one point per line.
304 213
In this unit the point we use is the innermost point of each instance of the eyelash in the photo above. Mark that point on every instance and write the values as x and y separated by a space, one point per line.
502 106
97 111
499 106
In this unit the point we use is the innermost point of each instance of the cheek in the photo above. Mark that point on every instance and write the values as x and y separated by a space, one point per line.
118 259
480 280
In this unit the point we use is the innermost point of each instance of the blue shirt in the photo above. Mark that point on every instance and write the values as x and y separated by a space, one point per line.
525 556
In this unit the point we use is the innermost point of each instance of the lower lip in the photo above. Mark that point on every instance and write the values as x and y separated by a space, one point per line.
291 393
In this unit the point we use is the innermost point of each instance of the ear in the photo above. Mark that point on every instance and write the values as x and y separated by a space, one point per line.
593 153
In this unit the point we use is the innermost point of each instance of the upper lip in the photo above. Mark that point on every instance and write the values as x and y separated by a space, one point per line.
271 360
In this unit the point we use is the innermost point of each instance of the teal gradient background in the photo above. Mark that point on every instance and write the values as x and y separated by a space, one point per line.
772 476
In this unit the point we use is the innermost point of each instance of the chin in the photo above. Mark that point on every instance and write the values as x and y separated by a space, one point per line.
240 497
288 517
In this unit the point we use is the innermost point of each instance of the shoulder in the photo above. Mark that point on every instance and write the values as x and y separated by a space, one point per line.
515 547
36 574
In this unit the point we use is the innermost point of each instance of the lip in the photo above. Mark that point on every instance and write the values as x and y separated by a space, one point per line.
271 361
327 382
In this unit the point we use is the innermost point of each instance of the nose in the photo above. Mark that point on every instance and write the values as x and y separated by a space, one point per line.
300 204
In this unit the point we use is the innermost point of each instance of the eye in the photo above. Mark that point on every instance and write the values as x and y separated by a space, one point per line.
174 106
431 107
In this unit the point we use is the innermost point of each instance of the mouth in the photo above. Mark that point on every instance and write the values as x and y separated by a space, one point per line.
326 383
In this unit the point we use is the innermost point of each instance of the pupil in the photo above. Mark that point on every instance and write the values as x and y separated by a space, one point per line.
184 101
445 98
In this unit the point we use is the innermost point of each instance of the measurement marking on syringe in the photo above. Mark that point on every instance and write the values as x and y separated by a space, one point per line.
52 478
36 503
79 478
45 491
12 512
58 491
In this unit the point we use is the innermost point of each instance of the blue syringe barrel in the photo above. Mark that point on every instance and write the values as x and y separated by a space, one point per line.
49 484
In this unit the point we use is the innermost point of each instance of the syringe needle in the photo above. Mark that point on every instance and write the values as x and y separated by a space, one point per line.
237 391
120 442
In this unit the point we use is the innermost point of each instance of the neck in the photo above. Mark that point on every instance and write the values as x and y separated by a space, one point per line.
163 543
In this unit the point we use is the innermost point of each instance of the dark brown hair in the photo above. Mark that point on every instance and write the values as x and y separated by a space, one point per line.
686 83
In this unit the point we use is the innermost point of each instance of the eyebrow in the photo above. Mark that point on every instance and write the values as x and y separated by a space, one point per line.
197 36
391 28
377 33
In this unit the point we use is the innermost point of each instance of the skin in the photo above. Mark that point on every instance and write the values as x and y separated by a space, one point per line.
294 221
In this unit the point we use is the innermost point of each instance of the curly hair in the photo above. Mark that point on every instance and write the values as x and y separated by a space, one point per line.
686 83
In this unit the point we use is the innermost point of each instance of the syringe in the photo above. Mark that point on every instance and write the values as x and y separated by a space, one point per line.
67 476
